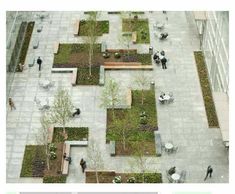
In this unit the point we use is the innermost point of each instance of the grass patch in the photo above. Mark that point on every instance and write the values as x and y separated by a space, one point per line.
32 154
25 45
108 177
74 134
145 132
54 179
64 52
102 27
141 26
206 90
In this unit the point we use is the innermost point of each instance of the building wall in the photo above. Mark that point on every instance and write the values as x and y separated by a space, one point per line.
215 45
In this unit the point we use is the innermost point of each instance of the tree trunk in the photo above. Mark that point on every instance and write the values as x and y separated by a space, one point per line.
123 140
48 158
90 58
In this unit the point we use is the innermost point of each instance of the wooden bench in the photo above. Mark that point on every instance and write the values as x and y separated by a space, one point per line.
77 143
76 28
102 76
65 163
56 48
158 144
134 37
103 47
112 146
35 44
139 67
122 64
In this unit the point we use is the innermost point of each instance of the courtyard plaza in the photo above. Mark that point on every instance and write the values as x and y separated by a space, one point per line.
183 122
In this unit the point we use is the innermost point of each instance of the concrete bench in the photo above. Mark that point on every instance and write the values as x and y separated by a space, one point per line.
39 29
35 44
77 143
134 37
139 67
112 146
56 48
67 70
76 28
158 144
102 76
31 62
103 47
129 98
65 163
74 77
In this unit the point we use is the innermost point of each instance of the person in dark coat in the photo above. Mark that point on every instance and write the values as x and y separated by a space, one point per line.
172 170
208 172
163 61
83 165
39 62
77 112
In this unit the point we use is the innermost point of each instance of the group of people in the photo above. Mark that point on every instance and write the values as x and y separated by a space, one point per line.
159 57
82 162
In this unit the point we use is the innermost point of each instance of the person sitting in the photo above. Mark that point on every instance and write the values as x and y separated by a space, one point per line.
69 159
172 170
161 98
77 112
156 55
163 36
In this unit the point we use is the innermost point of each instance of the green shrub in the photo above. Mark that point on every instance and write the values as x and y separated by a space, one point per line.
54 179
206 90
83 77
148 177
74 134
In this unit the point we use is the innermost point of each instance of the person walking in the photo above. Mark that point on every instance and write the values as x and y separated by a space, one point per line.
163 61
39 62
11 104
208 172
83 165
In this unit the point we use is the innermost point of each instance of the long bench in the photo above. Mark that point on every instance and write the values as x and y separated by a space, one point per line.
158 144
67 70
103 47
122 64
56 48
76 28
65 163
102 76
139 67
112 146
134 37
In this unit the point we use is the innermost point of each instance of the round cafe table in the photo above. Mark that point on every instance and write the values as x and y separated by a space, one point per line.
175 177
169 146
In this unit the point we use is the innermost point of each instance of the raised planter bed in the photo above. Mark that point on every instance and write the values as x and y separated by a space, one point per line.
206 90
102 27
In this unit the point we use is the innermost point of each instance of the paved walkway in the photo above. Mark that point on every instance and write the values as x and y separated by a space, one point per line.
184 122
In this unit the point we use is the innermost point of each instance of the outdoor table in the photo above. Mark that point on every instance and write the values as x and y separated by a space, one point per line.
166 97
169 146
160 25
175 177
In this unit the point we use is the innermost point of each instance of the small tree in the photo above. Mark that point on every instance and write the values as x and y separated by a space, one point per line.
122 129
61 111
91 36
94 154
110 95
140 159
43 136
142 81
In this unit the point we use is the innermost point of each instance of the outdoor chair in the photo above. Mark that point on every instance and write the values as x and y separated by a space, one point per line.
171 97
169 177
175 149
182 176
